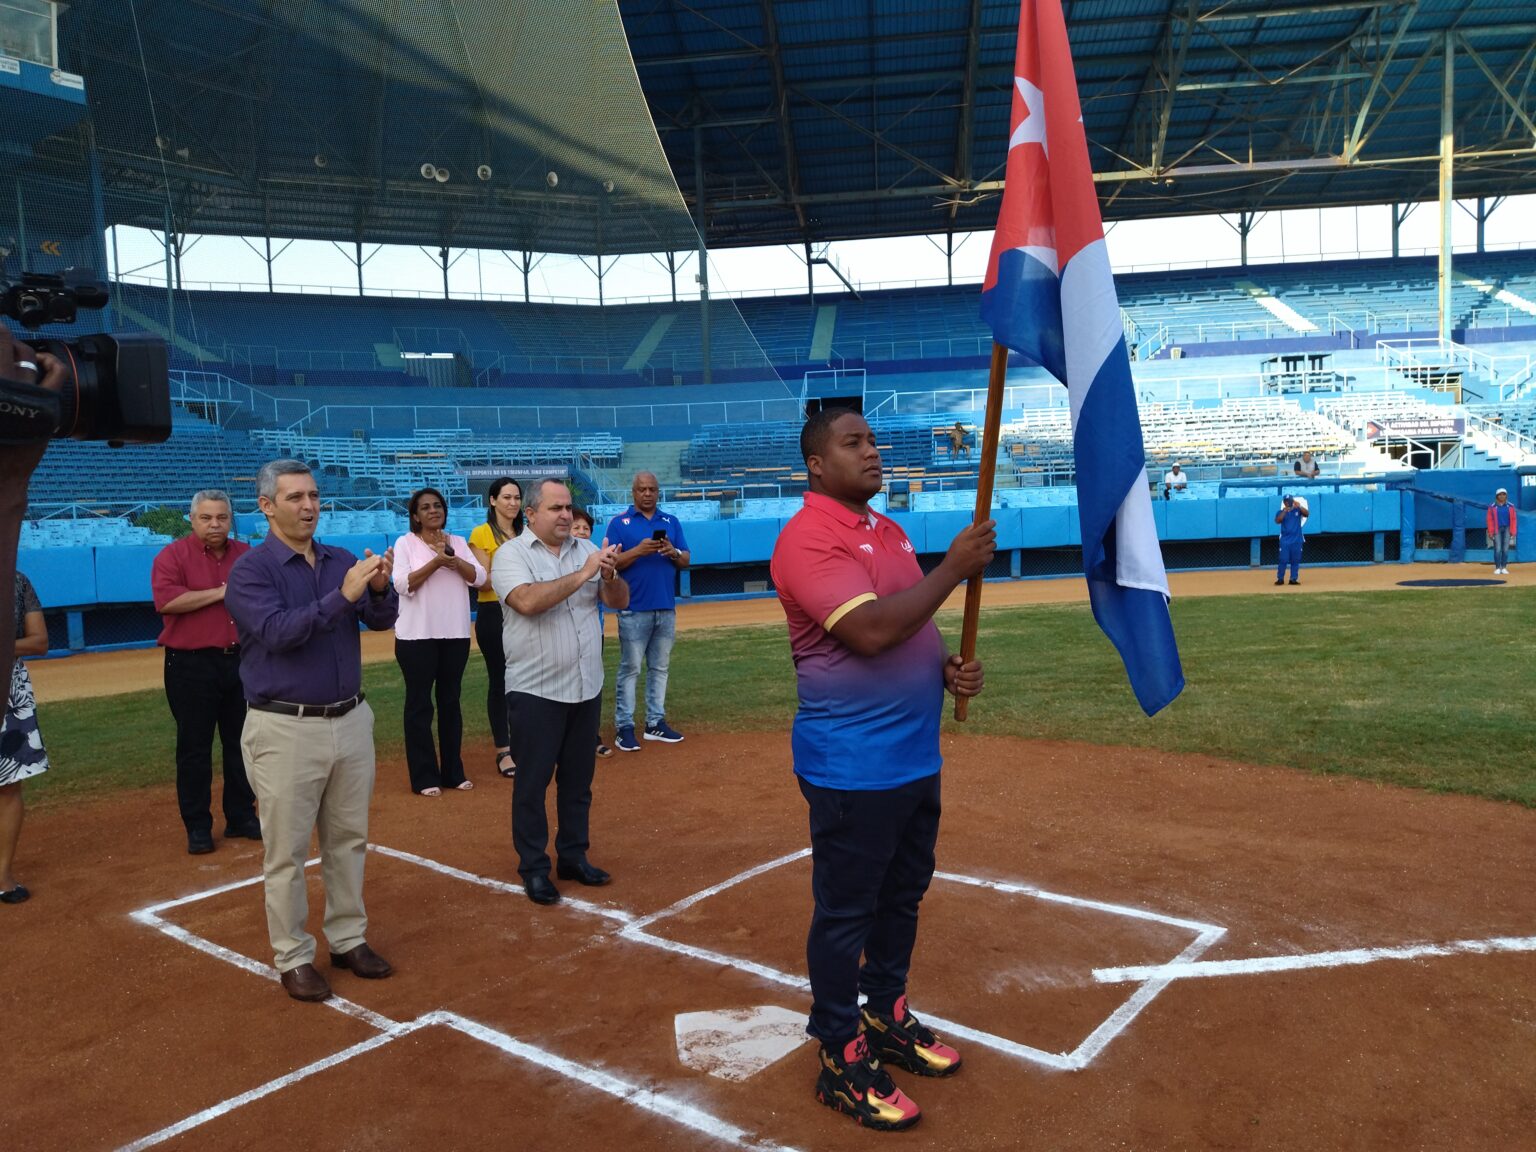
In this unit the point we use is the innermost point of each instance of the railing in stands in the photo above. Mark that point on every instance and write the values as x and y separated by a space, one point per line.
1524 445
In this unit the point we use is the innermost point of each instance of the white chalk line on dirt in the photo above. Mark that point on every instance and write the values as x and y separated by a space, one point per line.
224 1107
1182 969
1078 1058
570 902
663 1104
714 890
1049 897
673 1108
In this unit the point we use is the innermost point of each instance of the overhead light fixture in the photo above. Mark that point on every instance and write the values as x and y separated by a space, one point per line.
483 172
429 171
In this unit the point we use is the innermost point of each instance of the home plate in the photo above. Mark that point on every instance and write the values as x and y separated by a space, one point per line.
738 1043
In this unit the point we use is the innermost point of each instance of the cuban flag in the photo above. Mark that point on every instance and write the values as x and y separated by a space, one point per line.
1049 295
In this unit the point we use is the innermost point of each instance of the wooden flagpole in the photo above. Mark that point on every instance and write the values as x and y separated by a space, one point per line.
983 507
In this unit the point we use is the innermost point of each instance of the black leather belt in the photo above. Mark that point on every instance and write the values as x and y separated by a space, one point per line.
308 711
232 650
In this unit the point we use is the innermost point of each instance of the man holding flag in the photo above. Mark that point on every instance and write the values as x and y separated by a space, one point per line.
1049 295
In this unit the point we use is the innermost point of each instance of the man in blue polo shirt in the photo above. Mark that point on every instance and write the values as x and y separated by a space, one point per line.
654 552
871 671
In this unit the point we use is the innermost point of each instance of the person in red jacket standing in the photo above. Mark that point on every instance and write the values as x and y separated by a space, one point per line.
1501 530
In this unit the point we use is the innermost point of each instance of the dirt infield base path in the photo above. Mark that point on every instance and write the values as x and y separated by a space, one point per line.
512 1026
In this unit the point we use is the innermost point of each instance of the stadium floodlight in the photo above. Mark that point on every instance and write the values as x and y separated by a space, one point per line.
607 185
442 175
483 172
552 178
320 160
429 171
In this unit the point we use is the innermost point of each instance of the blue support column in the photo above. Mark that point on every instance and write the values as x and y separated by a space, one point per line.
1016 563
1378 547
685 584
1459 532
1408 526
75 622
1255 556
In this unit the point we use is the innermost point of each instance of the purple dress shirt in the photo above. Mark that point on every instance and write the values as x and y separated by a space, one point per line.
298 633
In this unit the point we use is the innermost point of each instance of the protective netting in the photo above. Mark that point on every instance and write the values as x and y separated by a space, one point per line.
468 130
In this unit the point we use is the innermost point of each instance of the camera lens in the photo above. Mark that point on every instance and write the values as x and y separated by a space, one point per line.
114 388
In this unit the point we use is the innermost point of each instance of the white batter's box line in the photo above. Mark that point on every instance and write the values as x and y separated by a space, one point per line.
1259 965
1080 1057
714 890
672 1108
572 903
255 967
1196 926
634 929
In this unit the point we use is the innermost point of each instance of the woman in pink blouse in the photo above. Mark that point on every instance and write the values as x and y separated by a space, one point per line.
432 570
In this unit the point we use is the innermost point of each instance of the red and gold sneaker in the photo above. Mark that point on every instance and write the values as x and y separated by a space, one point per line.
903 1040
853 1082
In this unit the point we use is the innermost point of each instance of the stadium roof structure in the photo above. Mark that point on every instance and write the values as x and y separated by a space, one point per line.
783 121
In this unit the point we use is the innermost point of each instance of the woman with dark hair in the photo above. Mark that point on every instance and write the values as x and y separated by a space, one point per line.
432 568
22 755
503 521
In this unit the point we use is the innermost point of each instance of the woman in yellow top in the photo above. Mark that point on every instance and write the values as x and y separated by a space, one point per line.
503 521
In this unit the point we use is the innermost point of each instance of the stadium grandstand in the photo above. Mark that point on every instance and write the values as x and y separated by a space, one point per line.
673 132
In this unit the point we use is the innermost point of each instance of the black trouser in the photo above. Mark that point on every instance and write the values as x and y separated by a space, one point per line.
488 636
429 664
556 740
202 686
871 861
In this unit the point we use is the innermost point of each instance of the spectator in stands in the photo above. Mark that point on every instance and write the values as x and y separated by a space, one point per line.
581 528
1293 513
503 522
1174 480
551 583
24 432
308 739
654 551
1307 468
202 671
959 441
1501 530
432 568
22 755
872 670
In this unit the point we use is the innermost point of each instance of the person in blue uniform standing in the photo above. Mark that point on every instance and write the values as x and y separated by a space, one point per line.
1293 513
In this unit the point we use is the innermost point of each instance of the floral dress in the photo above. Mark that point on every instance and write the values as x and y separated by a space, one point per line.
22 754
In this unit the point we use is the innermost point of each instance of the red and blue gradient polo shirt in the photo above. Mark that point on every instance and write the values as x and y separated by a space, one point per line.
865 722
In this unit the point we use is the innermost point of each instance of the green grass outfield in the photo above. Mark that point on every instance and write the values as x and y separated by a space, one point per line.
1434 689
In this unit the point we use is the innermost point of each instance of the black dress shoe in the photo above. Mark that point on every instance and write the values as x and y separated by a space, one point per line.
362 961
540 890
245 830
199 843
582 873
306 983
17 895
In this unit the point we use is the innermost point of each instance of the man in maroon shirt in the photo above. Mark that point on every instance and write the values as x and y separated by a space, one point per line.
202 671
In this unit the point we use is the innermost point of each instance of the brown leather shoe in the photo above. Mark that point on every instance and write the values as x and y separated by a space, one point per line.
362 961
306 983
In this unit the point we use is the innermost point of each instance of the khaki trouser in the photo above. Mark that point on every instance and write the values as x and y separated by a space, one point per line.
312 774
